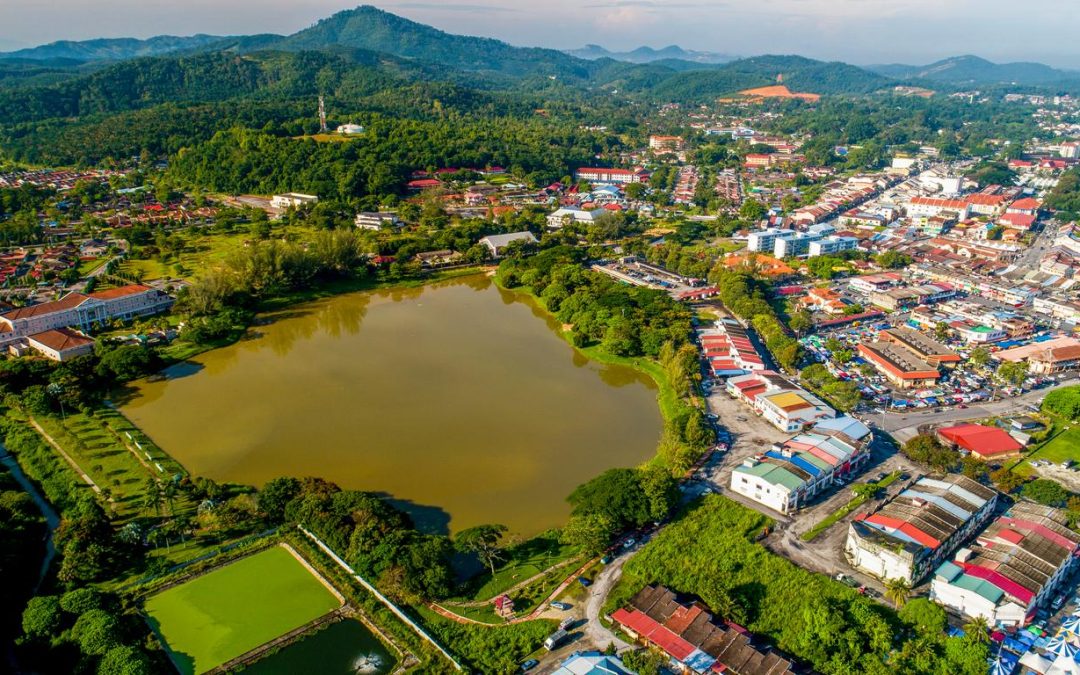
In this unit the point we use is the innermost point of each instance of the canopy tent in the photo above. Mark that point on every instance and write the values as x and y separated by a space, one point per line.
1071 624
1059 646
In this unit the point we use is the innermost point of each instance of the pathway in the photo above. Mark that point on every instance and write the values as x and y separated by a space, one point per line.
516 587
599 634
67 458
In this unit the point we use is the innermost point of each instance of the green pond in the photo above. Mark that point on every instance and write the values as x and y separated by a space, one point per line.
344 648
458 399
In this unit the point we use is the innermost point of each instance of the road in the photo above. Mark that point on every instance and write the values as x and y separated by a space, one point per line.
905 425
602 584
1030 258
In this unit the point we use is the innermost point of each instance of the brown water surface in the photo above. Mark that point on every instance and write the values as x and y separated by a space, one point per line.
457 396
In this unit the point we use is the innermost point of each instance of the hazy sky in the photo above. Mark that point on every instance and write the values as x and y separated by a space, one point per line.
859 31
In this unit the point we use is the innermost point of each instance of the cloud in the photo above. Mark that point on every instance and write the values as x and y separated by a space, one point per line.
451 7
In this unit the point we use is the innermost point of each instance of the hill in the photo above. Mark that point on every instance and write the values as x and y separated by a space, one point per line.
373 29
799 73
111 49
975 71
650 55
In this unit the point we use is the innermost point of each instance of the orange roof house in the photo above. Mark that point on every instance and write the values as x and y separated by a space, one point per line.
767 265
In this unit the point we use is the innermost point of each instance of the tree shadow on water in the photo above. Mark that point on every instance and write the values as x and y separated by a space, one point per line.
428 519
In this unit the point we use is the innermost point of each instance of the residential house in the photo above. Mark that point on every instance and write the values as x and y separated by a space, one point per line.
497 243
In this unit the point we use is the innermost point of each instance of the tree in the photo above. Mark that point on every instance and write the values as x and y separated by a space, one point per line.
977 629
42 616
124 660
801 322
80 600
1006 480
893 260
661 490
591 532
617 494
924 616
752 210
483 541
942 331
276 495
1013 372
979 357
96 631
1046 492
897 591
927 449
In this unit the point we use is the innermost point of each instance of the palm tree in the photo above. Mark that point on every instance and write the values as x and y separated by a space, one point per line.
152 496
978 629
897 590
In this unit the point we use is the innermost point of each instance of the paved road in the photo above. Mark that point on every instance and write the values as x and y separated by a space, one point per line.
904 425
602 584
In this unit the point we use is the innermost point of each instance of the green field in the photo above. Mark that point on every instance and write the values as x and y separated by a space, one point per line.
221 615
1063 446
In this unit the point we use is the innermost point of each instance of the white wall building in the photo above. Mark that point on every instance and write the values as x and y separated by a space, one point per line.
292 199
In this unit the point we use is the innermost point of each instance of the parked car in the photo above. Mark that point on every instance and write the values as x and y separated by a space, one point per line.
561 605
629 543
566 623
529 665
585 581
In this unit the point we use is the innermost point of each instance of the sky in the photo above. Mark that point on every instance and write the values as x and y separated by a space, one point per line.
857 31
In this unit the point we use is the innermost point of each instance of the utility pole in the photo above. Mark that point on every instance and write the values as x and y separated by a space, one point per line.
322 115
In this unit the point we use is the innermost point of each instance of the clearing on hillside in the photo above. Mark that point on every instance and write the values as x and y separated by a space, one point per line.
216 617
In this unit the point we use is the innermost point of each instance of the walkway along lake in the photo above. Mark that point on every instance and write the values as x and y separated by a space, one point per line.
459 399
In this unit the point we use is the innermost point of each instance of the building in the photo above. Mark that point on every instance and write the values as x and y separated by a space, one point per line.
665 143
728 349
592 663
350 129
927 349
799 244
689 634
1015 565
831 245
612 176
563 216
764 241
82 311
783 404
980 441
1026 206
1057 308
917 529
497 243
900 366
875 282
789 475
376 220
1045 358
292 200
823 299
61 344
928 207
981 204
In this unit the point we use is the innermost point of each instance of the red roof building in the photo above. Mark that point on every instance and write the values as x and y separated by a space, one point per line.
981 441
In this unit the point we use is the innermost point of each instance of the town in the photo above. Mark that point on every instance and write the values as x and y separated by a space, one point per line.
568 366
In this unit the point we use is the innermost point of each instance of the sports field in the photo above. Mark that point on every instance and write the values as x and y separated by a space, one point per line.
221 615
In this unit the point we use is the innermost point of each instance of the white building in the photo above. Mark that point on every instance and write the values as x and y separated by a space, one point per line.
376 220
497 243
764 241
790 474
916 530
783 404
561 217
929 207
61 344
82 311
350 129
798 245
1016 565
831 245
292 199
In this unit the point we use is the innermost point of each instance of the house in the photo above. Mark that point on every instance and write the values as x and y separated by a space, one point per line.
927 207
292 200
61 344
695 641
980 441
561 217
1016 564
1046 358
1026 206
789 475
823 299
497 243
913 532
900 366
376 220
665 143
440 258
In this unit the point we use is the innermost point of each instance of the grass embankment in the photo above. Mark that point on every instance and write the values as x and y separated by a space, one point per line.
847 508
488 649
216 617
523 561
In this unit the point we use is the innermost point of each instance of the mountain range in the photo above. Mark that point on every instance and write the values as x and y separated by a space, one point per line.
649 55
364 50
975 71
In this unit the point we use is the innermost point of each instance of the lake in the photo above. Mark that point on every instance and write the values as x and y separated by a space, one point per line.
458 399
344 648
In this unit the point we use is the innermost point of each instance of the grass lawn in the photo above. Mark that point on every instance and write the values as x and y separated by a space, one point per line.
230 611
1061 446
525 560
87 266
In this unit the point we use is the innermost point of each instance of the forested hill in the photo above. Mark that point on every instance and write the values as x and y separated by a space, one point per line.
111 49
373 29
975 71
